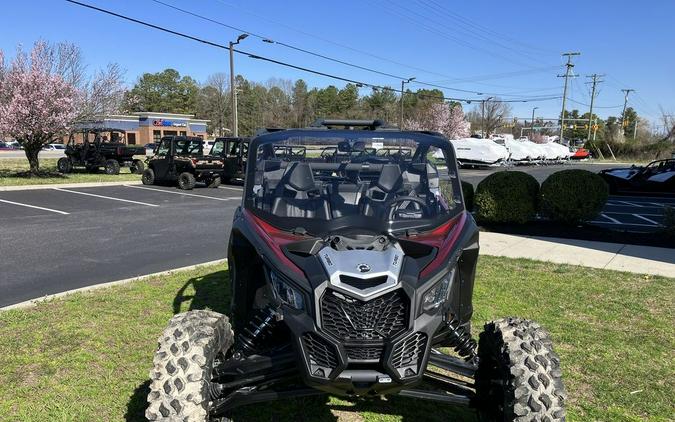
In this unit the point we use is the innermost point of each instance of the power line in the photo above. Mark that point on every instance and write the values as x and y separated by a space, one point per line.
594 106
293 47
286 64
486 29
347 47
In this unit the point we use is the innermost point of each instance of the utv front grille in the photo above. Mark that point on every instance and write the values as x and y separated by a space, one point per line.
364 353
409 352
320 354
348 318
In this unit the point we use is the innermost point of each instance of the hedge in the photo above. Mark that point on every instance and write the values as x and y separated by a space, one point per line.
573 196
506 197
467 190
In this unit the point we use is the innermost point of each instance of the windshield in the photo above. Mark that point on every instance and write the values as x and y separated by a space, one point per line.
324 182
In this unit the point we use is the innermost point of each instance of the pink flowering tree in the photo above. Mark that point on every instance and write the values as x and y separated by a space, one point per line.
37 105
445 118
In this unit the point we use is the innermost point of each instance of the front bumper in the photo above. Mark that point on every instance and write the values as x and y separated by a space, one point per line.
377 354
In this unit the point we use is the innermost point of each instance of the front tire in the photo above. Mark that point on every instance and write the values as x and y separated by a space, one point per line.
214 183
148 177
137 167
64 165
518 377
186 181
112 167
183 366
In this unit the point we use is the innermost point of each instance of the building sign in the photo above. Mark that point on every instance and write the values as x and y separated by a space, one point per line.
170 123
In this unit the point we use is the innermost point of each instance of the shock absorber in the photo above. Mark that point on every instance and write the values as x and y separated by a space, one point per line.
257 330
460 340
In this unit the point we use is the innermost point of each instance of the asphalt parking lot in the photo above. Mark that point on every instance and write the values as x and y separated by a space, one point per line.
59 239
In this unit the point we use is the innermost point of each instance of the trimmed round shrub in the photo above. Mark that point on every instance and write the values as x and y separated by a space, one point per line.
506 197
573 196
467 190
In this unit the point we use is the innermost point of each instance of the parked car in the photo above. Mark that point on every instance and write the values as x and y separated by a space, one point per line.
181 160
100 148
150 148
54 147
657 177
352 278
5 147
579 153
207 146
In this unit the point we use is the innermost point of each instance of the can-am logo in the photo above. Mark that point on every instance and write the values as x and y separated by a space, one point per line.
363 268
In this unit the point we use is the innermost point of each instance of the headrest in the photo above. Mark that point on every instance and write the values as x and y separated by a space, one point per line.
390 178
300 177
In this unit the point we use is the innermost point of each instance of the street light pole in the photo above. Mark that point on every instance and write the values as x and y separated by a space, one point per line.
532 125
400 114
233 87
482 117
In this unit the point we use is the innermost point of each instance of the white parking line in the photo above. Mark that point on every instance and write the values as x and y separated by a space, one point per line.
623 224
34 206
183 193
106 197
630 213
230 187
646 219
633 204
613 220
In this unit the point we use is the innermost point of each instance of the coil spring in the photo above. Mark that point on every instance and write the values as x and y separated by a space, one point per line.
257 329
460 340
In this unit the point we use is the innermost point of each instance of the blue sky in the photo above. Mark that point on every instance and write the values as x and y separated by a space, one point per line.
484 46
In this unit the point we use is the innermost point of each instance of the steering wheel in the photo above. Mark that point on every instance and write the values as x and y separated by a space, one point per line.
421 202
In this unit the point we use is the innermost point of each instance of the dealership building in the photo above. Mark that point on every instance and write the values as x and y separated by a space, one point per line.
144 127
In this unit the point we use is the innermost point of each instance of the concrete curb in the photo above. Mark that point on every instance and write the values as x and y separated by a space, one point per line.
67 185
33 302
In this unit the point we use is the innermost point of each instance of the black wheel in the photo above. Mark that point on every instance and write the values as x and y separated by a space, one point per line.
148 177
214 183
137 167
183 366
64 165
518 377
112 167
186 181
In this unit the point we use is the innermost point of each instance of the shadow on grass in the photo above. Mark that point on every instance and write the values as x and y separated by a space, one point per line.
212 291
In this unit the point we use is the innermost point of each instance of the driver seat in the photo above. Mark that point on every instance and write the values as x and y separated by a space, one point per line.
297 195
386 188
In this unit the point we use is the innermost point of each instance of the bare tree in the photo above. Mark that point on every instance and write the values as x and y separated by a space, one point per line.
668 120
214 102
491 114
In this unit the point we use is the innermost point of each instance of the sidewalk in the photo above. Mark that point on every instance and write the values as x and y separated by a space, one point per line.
611 256
67 185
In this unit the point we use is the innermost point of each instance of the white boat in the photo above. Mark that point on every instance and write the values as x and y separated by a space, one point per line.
480 152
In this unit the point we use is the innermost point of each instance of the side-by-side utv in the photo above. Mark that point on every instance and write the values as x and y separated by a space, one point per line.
100 148
353 277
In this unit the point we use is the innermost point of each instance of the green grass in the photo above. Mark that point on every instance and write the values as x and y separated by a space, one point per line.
87 357
13 171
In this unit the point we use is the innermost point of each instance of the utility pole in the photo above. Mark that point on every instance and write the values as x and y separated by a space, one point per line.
595 77
233 87
400 113
623 113
531 126
482 117
569 66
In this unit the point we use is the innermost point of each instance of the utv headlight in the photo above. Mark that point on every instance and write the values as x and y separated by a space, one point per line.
436 295
286 293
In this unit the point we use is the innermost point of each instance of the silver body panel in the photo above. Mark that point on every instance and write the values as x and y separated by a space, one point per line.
365 265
